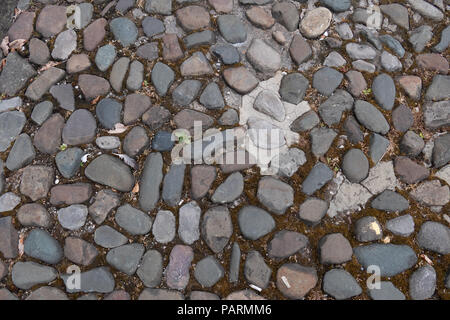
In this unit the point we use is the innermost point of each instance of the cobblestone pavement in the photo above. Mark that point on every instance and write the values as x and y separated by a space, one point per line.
313 138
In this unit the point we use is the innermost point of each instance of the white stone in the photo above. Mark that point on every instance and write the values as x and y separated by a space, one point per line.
381 177
349 197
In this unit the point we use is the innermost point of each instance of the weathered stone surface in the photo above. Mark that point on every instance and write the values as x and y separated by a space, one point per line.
9 238
286 243
110 171
216 228
295 281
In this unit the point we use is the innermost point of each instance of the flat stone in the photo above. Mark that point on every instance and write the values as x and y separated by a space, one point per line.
208 271
93 86
108 112
334 59
300 49
94 34
22 28
39 52
340 284
48 137
293 88
202 177
177 272
158 6
211 97
81 128
367 229
321 140
441 154
439 88
216 228
256 271
286 14
444 42
36 181
409 171
110 171
132 220
431 193
371 117
171 47
274 194
254 222
397 13
73 217
78 63
360 51
337 5
263 57
383 88
232 28
390 201
135 106
193 18
437 115
392 259
118 73
365 66
319 175
124 30
295 281
286 243
387 291
196 65
162 78
67 194
15 74
326 80
107 237
315 22
40 245
227 53
155 117
186 92
68 161
95 280
230 189
260 17
164 226
334 248
44 82
401 226
403 119
9 238
151 268
65 44
79 251
51 20
434 236
136 141
313 210
189 220
240 79
426 9
126 258
152 26
420 37
34 215
221 6
8 201
105 201
411 144
355 165
22 153
396 47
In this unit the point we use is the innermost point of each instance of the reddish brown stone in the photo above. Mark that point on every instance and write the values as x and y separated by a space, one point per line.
177 272
51 20
118 295
260 17
9 238
222 6
409 171
356 82
48 138
300 49
171 47
70 193
240 79
22 28
93 86
193 17
412 86
295 281
79 251
135 106
433 62
94 33
202 178
36 181
78 63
